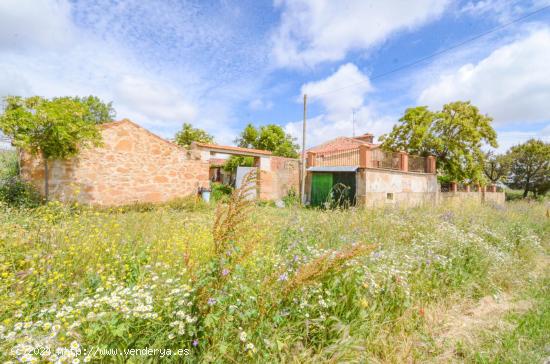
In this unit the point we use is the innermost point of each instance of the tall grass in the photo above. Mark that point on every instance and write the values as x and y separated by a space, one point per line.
253 284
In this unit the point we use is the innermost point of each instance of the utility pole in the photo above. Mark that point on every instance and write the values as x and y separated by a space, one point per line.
303 182
353 121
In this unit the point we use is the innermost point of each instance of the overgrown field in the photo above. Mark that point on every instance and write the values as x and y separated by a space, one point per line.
275 285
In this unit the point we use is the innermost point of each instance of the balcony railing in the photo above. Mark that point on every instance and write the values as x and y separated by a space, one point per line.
345 157
417 164
385 160
365 157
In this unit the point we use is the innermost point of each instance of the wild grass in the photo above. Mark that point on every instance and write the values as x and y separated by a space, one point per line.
255 284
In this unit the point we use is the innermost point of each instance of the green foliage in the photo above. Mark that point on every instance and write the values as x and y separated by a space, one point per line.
14 191
454 135
512 195
269 137
530 167
286 285
189 203
237 161
497 167
188 134
220 192
54 129
292 198
98 111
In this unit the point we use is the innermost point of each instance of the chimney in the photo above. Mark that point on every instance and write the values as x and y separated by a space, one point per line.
367 137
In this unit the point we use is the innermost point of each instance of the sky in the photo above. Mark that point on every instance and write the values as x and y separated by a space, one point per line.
223 64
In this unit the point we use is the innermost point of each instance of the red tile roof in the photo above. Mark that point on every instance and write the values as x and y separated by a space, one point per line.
219 148
340 143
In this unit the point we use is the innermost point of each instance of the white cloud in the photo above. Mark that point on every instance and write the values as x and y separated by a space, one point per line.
260 104
154 100
160 64
342 91
41 23
339 100
507 139
314 31
503 10
512 84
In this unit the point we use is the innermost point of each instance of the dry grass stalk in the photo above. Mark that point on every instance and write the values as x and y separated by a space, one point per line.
229 217
326 264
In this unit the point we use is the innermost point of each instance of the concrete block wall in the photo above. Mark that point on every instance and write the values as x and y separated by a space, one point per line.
376 187
132 165
282 176
498 198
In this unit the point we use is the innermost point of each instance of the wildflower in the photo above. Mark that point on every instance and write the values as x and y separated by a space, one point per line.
249 347
242 336
225 272
211 301
283 277
195 342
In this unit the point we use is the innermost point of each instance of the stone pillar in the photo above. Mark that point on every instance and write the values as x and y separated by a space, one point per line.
364 156
404 161
430 164
454 187
493 188
310 161
467 188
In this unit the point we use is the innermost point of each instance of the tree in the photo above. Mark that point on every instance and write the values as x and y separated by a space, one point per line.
455 135
269 137
497 167
54 129
99 111
188 135
237 161
530 167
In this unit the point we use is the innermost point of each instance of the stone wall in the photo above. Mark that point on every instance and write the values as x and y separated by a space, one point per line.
376 187
278 176
132 165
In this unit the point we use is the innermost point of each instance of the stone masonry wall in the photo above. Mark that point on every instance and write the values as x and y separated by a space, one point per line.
132 165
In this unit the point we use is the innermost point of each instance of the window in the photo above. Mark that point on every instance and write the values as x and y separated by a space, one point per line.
389 196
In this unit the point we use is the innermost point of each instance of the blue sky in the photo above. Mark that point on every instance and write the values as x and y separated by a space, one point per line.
222 64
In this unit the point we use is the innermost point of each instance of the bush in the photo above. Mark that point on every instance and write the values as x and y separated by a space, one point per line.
13 190
292 198
220 192
512 195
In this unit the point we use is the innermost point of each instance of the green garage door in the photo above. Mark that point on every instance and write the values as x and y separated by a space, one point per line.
321 185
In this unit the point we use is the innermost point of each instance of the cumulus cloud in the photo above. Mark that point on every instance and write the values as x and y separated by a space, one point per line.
503 10
42 23
314 31
340 95
160 64
154 100
512 84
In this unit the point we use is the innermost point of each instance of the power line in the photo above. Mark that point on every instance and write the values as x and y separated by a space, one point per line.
438 53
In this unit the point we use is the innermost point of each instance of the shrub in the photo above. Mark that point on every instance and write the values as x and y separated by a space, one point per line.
220 192
512 195
13 190
292 198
